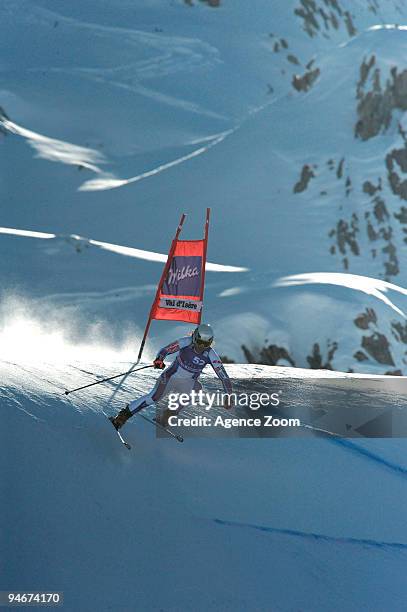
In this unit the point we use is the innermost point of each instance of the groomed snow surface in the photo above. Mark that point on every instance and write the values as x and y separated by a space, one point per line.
210 524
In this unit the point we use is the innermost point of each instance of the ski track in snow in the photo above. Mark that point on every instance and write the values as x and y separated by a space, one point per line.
80 241
355 448
101 183
347 444
67 153
314 536
171 54
99 76
38 386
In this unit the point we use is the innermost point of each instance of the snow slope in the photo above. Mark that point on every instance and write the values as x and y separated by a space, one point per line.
211 524
287 121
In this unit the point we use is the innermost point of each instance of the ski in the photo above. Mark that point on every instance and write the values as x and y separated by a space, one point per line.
122 440
167 429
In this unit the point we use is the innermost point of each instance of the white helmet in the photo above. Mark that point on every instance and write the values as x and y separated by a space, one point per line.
203 336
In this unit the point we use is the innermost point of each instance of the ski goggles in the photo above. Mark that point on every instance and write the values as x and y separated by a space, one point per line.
203 343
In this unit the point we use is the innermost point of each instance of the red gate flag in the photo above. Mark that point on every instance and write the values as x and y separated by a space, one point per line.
180 292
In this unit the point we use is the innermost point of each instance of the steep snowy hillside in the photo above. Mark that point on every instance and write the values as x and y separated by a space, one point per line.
211 524
288 120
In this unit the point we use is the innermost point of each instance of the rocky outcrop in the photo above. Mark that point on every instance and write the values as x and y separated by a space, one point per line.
322 17
293 59
371 189
274 355
377 222
374 347
375 106
307 174
402 215
305 81
379 228
377 346
316 361
345 235
280 44
396 160
399 331
269 355
226 359
396 164
360 356
366 318
374 112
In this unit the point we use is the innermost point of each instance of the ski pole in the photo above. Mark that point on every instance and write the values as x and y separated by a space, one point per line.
98 382
157 424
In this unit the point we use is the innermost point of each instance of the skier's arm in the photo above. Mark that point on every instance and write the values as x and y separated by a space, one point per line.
170 349
220 371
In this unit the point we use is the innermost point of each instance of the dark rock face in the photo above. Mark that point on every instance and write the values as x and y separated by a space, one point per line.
306 175
399 331
280 45
293 59
399 88
402 215
365 318
371 189
377 222
346 235
306 80
315 360
380 211
377 346
339 170
360 356
396 164
272 354
375 107
396 160
226 359
321 17
374 111
269 355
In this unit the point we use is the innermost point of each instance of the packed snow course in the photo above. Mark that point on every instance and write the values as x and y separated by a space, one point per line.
211 524
288 122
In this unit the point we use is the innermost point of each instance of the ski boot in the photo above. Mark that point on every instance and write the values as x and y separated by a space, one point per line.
119 420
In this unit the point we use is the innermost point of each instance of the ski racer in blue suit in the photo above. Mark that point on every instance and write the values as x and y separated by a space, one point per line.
193 354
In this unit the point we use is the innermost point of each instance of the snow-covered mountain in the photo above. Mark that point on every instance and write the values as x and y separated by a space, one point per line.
287 119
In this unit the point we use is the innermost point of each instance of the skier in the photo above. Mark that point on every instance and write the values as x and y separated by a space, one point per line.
194 353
